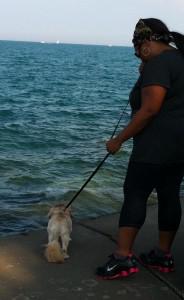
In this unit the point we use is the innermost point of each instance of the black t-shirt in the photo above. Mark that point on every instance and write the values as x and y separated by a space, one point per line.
162 140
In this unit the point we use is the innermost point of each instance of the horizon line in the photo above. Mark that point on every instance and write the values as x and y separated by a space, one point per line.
65 43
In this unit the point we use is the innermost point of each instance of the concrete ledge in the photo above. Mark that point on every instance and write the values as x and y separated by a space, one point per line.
25 275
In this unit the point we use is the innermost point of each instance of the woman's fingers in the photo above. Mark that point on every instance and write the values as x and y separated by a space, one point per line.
113 146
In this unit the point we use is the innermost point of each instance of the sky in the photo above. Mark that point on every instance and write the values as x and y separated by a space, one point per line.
84 21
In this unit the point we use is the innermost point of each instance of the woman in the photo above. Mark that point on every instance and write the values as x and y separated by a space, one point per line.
157 159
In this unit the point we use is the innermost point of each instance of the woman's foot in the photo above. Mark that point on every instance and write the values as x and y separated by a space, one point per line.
117 267
158 259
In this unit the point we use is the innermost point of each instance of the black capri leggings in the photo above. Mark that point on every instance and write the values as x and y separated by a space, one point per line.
140 181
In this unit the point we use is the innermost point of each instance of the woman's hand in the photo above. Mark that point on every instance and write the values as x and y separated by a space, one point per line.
113 145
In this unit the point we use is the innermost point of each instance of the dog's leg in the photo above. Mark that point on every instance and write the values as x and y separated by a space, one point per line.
52 236
53 251
65 241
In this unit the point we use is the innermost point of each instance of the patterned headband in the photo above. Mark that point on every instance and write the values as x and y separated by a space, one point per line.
144 32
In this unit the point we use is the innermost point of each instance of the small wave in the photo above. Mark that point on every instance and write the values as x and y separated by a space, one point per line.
27 180
6 113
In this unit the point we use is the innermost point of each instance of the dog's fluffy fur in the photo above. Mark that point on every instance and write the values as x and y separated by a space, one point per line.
59 227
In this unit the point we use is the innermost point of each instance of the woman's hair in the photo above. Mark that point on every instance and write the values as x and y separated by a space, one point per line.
158 27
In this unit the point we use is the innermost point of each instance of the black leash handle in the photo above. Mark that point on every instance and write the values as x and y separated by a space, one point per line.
100 164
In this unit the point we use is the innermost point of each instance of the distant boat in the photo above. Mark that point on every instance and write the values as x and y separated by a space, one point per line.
42 42
57 42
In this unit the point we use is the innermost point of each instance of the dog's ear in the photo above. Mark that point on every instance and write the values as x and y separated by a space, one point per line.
68 210
50 213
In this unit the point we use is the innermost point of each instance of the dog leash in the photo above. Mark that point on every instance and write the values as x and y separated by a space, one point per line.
100 164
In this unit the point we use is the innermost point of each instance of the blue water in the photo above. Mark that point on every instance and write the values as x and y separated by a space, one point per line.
59 104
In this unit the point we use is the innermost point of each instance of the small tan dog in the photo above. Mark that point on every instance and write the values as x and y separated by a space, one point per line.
59 227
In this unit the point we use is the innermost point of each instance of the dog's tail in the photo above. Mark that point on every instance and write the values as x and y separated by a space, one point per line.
54 253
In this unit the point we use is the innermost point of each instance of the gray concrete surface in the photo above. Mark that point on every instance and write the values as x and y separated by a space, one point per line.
25 275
